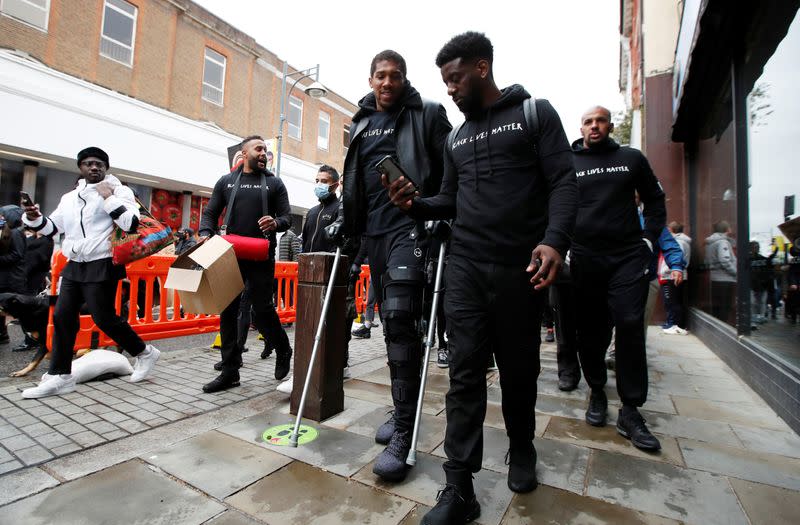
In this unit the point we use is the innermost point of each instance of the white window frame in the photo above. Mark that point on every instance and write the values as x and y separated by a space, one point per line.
324 116
224 65
46 10
132 47
298 103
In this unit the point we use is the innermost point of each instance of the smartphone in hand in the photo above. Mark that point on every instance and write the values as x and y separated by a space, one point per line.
25 199
387 166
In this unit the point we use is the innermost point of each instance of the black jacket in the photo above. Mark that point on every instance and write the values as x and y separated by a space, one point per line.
505 197
608 219
37 262
420 132
247 208
317 219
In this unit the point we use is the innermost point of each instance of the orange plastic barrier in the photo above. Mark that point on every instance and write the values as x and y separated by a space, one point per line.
167 321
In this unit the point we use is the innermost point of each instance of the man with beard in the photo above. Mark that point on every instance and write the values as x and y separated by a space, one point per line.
393 120
500 176
250 216
610 260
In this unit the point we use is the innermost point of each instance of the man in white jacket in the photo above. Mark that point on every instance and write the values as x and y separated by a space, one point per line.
86 216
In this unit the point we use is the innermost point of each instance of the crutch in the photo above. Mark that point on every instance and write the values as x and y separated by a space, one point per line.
411 460
293 438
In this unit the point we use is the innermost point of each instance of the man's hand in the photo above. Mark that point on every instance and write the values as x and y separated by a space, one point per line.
335 234
401 192
549 262
355 272
32 212
104 189
267 224
677 277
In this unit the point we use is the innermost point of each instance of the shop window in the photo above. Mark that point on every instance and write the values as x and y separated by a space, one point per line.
119 31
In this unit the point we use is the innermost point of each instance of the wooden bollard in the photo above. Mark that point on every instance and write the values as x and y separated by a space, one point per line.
325 392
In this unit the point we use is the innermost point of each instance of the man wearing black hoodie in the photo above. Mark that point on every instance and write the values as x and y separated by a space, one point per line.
393 120
250 216
500 178
609 263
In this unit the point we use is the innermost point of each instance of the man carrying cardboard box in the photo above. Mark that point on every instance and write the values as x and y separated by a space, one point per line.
257 206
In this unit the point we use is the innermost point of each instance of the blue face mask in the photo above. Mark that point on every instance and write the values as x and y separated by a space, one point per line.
322 190
2 222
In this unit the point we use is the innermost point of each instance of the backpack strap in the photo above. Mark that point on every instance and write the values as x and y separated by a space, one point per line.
229 206
532 120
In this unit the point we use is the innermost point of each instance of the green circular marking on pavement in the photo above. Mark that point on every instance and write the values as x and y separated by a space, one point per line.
280 435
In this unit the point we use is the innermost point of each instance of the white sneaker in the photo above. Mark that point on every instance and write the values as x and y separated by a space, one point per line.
51 386
681 331
346 373
144 363
672 330
286 386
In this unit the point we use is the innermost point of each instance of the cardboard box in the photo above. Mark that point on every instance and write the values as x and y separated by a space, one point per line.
206 276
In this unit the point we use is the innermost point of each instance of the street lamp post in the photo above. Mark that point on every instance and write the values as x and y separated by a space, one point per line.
315 90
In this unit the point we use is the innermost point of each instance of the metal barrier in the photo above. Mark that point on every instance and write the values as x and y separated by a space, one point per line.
159 321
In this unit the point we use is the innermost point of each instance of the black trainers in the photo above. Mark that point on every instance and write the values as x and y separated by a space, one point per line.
222 382
550 336
442 358
568 383
266 352
283 362
218 365
453 507
521 461
385 431
362 333
598 409
630 424
390 465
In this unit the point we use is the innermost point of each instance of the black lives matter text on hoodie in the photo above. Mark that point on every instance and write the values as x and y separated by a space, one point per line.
608 177
506 199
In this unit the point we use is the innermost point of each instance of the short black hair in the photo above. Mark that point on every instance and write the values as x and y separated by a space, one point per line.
248 139
330 170
466 46
390 55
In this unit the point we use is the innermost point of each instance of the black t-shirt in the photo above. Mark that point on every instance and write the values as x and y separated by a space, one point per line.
377 141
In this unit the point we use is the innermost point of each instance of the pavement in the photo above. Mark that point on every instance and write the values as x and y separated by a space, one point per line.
163 452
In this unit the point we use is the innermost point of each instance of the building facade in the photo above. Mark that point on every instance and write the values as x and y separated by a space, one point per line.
164 86
717 120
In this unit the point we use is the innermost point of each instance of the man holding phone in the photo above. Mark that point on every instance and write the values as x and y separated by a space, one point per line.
500 175
393 119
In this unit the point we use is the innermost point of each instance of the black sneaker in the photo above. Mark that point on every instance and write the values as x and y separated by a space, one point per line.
222 382
453 507
521 461
218 365
550 336
442 358
385 431
390 465
282 363
598 409
362 333
568 383
630 424
266 352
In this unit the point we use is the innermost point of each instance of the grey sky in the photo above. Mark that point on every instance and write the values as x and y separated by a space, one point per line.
567 52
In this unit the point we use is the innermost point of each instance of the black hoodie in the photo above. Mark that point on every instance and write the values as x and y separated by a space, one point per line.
506 199
608 220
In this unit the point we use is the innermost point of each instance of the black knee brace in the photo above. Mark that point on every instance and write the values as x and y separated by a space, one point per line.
402 293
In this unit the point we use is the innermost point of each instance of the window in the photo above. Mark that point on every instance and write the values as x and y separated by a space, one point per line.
119 31
346 137
324 135
214 77
295 118
33 12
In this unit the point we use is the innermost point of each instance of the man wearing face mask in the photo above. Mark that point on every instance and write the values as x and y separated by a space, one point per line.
323 214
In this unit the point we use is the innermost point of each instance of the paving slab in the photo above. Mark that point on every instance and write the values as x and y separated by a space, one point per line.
200 460
300 493
691 496
336 451
767 505
547 505
381 394
415 516
736 413
426 478
607 438
771 469
231 517
23 483
561 407
692 428
766 440
126 493
558 464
